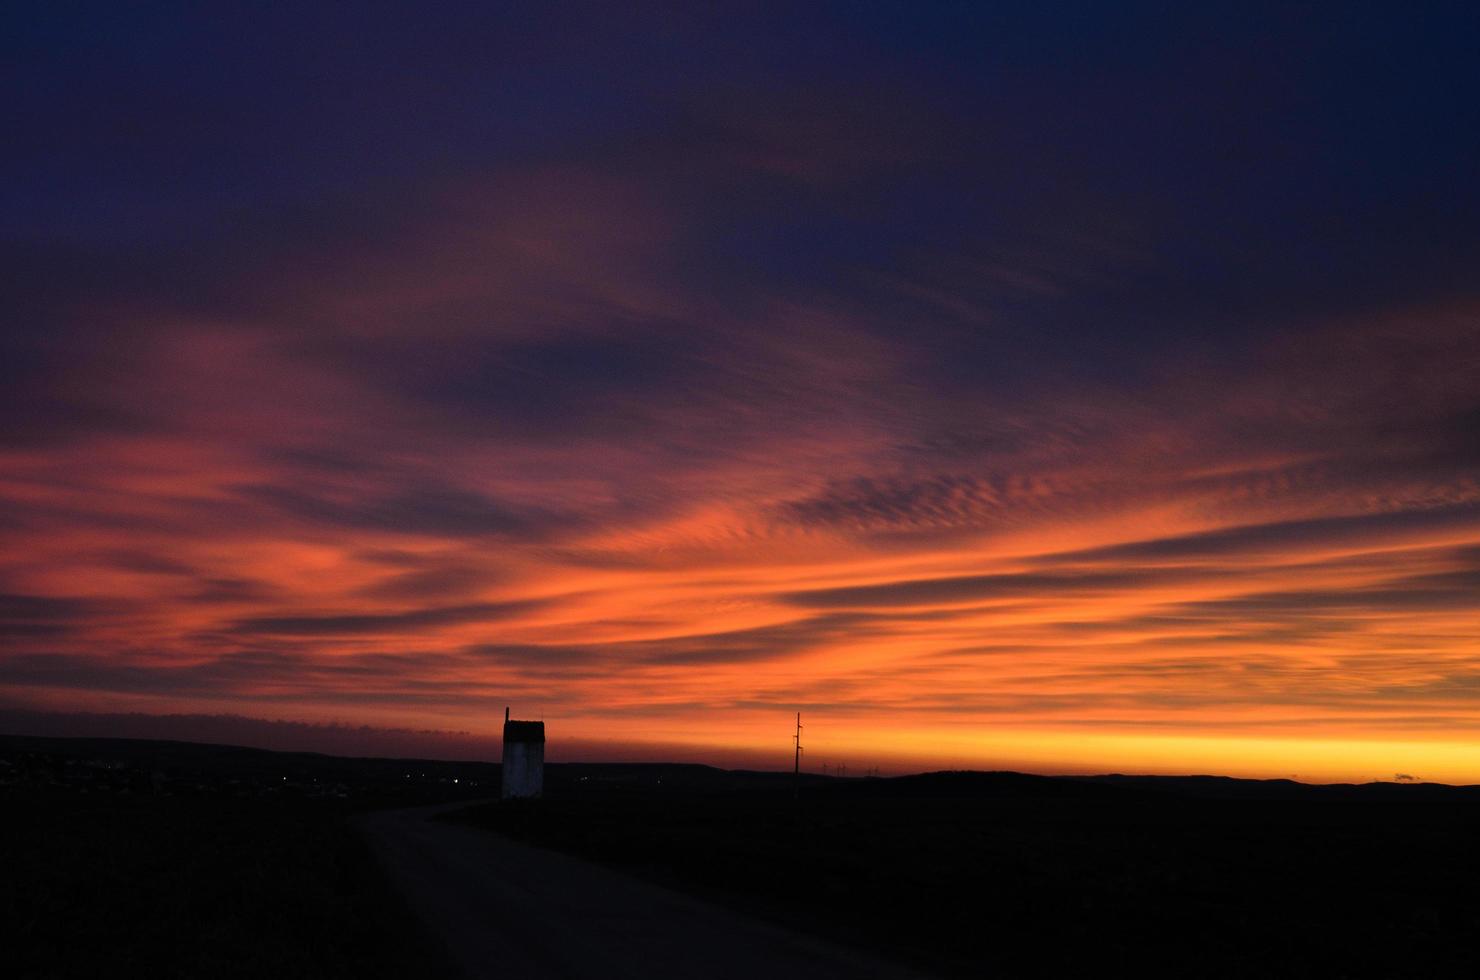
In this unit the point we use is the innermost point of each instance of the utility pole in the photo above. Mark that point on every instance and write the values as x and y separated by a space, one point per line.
796 766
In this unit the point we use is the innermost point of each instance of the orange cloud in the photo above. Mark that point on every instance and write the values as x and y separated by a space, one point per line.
510 458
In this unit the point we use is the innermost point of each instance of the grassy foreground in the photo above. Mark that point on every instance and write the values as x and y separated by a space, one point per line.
1043 878
169 887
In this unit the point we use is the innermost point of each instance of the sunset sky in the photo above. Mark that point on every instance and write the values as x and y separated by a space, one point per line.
1058 387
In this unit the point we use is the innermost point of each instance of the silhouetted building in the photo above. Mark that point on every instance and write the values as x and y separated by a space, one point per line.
524 758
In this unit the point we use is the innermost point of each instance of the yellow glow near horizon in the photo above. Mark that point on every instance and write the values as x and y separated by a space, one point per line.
1218 571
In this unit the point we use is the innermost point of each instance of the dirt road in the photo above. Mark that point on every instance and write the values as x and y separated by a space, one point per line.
508 910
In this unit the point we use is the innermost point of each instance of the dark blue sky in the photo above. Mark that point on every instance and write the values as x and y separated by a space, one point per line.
1204 170
1313 149
432 319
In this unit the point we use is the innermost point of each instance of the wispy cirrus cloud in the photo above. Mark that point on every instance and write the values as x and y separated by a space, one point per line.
914 407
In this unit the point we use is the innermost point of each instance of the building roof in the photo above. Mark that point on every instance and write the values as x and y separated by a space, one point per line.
524 731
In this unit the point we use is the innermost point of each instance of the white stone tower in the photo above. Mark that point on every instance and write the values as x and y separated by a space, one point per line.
524 758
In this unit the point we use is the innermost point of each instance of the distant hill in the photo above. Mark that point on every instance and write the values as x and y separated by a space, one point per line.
596 779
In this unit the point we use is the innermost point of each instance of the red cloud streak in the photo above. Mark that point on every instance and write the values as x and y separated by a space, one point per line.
509 457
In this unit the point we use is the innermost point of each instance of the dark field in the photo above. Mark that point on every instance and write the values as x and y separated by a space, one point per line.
168 860
1004 875
177 860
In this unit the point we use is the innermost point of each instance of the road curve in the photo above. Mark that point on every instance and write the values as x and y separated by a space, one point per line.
509 910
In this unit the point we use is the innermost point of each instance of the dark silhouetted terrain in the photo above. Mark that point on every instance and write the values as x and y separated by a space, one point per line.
190 860
167 859
1003 874
505 910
